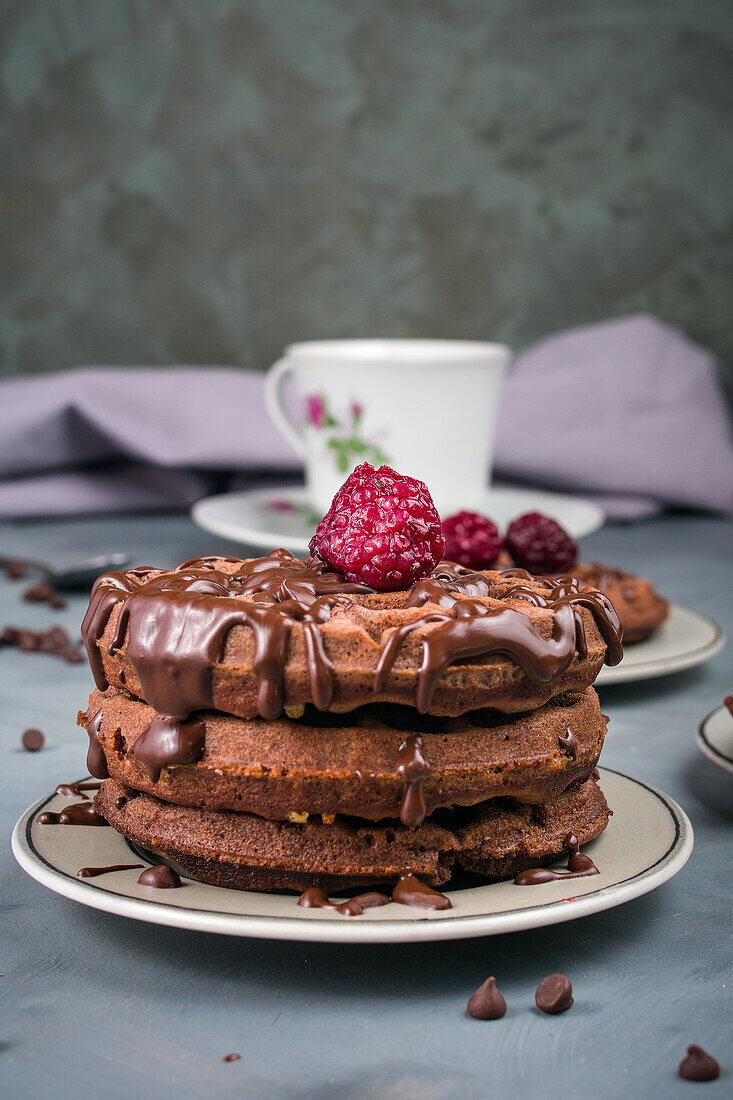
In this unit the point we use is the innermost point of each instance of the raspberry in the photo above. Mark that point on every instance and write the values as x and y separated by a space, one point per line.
382 529
471 539
540 545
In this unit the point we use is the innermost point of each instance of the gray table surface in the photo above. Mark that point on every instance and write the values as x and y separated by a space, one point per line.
92 1002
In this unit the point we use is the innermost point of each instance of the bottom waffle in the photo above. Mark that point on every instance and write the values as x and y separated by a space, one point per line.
245 852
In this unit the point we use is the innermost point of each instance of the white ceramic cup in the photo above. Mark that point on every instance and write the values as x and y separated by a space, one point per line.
425 407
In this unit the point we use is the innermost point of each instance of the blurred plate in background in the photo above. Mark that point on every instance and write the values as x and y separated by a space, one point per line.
685 639
282 516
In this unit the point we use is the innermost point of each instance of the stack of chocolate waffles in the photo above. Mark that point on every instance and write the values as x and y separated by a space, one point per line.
266 725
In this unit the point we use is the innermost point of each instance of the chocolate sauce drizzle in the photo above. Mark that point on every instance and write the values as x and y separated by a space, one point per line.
413 769
78 813
176 625
173 627
94 872
579 866
77 789
96 762
469 628
408 891
316 898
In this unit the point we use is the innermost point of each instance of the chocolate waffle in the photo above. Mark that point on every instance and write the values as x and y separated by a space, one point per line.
247 852
639 606
358 764
266 634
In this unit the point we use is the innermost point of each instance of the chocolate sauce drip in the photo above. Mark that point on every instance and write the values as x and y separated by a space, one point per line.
107 591
316 898
76 790
475 630
161 877
78 813
413 769
282 577
177 624
472 629
96 762
410 891
167 741
209 561
579 866
568 742
94 872
445 585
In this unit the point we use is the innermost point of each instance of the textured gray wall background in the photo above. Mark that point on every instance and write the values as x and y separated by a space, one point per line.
205 180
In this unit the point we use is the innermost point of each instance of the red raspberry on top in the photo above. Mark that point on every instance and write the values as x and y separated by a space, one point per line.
540 545
382 529
472 540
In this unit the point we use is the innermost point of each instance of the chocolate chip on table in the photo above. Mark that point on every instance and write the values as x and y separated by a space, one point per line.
232 1058
54 641
33 740
43 592
487 1002
15 570
698 1065
554 994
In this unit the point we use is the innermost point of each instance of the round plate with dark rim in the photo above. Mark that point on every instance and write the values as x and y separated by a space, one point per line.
715 737
282 516
685 639
648 840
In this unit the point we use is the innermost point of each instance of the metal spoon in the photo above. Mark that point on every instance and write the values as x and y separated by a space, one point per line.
78 575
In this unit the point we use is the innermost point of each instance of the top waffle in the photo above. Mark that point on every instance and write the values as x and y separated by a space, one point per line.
266 634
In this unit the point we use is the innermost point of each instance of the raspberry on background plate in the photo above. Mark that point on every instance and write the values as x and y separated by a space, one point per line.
540 545
471 540
382 529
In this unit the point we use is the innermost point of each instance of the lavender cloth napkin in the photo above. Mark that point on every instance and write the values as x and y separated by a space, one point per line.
628 411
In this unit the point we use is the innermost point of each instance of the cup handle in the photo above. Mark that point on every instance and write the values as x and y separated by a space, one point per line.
274 382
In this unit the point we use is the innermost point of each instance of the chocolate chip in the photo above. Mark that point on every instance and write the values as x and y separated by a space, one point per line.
232 1058
487 1002
54 641
15 569
43 592
568 743
33 740
38 593
554 994
698 1065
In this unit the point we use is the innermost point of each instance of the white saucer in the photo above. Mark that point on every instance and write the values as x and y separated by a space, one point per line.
648 840
685 639
715 738
281 516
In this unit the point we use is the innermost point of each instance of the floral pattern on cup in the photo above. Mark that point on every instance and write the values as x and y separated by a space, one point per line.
343 438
